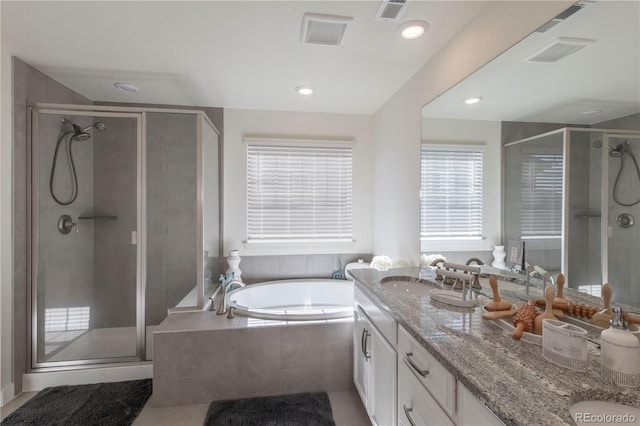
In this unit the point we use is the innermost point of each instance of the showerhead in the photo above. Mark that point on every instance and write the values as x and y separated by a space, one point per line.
618 151
82 134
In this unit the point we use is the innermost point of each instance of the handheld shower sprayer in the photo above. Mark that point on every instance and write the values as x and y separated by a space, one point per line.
78 134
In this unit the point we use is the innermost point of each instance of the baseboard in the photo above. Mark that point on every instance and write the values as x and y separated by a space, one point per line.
37 381
7 394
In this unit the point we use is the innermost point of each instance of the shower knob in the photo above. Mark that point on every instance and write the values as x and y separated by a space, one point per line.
625 220
66 224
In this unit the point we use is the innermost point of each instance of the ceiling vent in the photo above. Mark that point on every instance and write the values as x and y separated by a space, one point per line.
559 49
391 10
324 29
561 17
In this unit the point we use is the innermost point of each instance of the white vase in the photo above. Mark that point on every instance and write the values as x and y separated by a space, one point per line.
498 257
233 260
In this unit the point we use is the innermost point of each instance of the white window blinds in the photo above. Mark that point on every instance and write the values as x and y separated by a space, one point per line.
299 193
541 191
451 192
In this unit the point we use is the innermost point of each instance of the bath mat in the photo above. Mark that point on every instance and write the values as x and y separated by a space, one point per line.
301 409
104 404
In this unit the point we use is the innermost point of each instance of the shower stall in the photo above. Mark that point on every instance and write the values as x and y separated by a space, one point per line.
572 196
125 226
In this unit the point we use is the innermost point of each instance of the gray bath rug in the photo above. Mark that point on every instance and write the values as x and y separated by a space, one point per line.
104 404
302 409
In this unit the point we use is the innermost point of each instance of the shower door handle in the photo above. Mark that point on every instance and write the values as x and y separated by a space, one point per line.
134 237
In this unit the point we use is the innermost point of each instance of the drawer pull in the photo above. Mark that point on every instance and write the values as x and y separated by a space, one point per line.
407 412
420 371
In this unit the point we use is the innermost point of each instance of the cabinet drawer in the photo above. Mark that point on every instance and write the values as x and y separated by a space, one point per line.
382 320
415 405
427 370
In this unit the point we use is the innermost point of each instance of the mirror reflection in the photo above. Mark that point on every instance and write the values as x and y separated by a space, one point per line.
554 127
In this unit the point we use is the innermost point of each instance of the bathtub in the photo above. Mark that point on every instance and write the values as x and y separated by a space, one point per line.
296 300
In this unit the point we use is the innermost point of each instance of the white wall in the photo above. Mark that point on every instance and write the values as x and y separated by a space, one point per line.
295 125
6 291
487 133
396 135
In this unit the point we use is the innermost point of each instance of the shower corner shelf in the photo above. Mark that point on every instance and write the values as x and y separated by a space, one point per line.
98 217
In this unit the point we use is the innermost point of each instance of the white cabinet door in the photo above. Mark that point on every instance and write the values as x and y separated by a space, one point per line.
473 412
383 380
361 357
416 407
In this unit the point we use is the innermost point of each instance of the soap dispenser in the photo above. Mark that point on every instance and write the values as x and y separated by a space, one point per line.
620 353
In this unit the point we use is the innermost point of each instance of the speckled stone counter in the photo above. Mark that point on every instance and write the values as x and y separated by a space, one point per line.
510 377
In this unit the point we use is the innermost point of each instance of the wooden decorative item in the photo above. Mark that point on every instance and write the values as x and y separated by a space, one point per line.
560 283
601 318
549 294
498 304
524 320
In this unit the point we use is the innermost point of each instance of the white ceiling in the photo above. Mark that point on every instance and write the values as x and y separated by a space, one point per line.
604 75
234 54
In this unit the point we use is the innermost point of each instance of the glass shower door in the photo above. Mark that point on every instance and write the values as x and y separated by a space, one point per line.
85 219
623 216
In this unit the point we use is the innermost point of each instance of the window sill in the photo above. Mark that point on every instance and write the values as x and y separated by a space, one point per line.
434 246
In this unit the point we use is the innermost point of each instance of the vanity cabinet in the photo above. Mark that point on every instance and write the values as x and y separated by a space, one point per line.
428 394
400 382
375 333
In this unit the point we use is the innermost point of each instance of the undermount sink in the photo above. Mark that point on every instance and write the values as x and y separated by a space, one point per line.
411 288
595 413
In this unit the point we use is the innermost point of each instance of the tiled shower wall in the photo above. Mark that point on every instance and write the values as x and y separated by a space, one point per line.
65 261
171 211
115 177
30 86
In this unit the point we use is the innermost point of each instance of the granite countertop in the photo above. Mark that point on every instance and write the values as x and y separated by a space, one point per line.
510 377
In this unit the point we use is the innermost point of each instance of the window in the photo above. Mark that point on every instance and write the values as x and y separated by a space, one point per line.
450 192
541 191
299 193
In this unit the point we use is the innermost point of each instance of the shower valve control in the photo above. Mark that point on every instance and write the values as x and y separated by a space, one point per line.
66 224
625 220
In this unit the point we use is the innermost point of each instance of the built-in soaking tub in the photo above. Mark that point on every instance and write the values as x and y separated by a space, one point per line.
306 299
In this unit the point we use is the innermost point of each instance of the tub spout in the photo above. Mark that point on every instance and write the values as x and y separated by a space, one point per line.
230 286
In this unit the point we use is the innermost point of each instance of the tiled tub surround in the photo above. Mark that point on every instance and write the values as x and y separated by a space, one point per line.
510 377
200 357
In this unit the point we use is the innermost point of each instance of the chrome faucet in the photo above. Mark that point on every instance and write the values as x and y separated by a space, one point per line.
225 290
532 271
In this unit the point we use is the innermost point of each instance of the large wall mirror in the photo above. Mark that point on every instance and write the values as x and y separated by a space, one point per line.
552 145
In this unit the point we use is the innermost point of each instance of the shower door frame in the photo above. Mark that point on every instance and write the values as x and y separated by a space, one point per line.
33 237
608 135
604 190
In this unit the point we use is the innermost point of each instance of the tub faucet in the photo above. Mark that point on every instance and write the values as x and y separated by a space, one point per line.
226 289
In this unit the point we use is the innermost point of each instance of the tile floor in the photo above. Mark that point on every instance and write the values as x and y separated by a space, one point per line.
346 406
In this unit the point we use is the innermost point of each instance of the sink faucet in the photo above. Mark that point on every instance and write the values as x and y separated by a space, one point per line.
225 290
532 271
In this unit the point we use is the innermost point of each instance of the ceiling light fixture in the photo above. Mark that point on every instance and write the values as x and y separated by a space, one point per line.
412 30
126 87
473 100
304 90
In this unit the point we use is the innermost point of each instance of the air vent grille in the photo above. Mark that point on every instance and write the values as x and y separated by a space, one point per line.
390 10
324 29
559 49
561 17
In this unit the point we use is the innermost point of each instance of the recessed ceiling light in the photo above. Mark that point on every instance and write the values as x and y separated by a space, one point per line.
413 29
591 112
304 90
126 87
473 100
